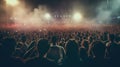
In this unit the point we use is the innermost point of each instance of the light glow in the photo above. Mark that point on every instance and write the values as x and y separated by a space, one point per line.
77 16
47 16
12 2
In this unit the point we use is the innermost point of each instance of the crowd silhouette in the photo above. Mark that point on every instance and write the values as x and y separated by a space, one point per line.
81 48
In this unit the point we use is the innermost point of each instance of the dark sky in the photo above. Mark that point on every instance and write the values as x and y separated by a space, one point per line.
54 3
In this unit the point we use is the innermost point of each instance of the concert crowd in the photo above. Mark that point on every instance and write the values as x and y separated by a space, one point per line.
66 48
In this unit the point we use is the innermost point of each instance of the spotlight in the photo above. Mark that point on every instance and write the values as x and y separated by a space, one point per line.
12 2
47 16
77 16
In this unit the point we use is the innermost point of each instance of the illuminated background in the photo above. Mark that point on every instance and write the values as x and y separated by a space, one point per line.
29 13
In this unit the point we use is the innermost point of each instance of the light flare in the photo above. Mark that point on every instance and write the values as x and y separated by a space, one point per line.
12 2
77 16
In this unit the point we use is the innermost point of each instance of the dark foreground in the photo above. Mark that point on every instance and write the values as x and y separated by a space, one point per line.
73 47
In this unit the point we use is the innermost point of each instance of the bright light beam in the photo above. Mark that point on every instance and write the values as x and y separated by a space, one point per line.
77 17
12 2
47 16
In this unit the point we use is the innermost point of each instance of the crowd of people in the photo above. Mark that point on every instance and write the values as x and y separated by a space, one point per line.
81 48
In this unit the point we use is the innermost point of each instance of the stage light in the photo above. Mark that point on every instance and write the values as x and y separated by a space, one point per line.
47 16
77 16
12 2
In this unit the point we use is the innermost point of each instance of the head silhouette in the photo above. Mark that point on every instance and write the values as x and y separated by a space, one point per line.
72 49
98 49
111 37
54 40
85 43
23 38
43 47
